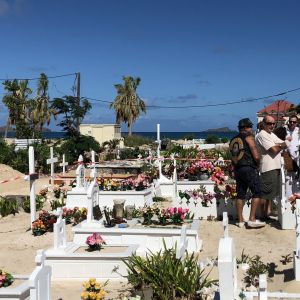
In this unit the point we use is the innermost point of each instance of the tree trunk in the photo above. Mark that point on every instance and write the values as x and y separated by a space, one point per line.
129 129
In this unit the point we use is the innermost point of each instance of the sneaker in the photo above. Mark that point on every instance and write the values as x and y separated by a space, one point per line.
256 224
240 224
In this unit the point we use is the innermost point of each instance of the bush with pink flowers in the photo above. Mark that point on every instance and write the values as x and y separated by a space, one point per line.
6 279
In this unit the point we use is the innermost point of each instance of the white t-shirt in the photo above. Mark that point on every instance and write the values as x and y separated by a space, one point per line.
294 144
265 141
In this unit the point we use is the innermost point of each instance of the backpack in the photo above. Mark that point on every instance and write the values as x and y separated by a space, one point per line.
236 148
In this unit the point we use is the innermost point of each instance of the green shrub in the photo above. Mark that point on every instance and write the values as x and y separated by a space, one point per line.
57 203
159 199
137 140
128 153
39 202
169 277
212 139
8 206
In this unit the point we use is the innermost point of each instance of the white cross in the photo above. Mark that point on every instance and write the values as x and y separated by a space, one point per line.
225 224
140 156
94 171
51 161
158 150
64 164
32 177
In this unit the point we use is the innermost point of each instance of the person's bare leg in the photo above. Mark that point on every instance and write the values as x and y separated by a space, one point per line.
263 208
255 203
269 208
239 210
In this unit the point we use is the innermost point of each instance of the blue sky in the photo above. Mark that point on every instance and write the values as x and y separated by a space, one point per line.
185 52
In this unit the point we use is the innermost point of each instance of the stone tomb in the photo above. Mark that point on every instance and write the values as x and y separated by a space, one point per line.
148 238
72 261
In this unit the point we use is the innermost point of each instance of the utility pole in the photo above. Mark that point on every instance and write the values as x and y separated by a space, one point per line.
78 97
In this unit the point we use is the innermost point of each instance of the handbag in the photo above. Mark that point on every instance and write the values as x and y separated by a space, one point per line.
288 161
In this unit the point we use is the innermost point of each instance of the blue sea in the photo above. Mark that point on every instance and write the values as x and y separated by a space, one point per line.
151 135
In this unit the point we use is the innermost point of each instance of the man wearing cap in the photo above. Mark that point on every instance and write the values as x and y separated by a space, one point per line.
245 159
270 147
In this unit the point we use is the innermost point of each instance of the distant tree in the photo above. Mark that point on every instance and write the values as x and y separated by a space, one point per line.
224 139
42 112
70 110
18 103
189 136
212 139
128 105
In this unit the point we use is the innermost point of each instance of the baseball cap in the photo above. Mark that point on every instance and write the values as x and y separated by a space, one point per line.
245 123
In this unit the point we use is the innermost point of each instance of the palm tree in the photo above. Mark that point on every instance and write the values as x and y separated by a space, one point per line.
18 103
128 105
41 112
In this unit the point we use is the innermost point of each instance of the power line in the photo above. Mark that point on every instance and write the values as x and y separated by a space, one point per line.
37 78
209 105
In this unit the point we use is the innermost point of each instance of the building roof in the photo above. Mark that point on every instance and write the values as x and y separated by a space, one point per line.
279 106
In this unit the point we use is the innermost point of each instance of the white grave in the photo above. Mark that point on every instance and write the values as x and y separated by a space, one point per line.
227 266
51 161
297 250
93 166
147 238
183 243
37 286
64 164
286 216
32 177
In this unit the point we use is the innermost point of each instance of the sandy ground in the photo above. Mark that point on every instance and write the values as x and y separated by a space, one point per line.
18 246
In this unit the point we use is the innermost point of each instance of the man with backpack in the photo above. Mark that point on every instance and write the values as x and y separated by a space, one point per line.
245 159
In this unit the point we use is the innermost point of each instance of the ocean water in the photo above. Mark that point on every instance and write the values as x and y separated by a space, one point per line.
151 135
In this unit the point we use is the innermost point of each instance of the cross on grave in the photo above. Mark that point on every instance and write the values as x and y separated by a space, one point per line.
59 232
298 227
92 197
64 164
51 161
225 224
182 244
158 150
262 291
32 177
140 156
174 177
93 165
80 173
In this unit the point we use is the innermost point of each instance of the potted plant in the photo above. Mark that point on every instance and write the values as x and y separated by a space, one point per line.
6 279
93 290
95 242
38 227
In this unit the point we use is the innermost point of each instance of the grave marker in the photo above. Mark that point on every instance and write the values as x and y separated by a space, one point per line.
92 198
262 291
225 224
51 161
93 165
59 231
64 164
80 174
32 177
182 244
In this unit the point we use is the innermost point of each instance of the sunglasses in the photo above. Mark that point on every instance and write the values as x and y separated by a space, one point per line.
293 122
270 123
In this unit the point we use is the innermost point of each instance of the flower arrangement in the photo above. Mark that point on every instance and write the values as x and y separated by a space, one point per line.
200 166
95 242
59 192
93 290
225 192
6 279
139 184
197 195
218 176
48 219
173 215
148 212
38 227
74 215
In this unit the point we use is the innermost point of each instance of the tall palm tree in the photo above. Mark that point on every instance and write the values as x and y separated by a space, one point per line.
42 112
128 105
17 101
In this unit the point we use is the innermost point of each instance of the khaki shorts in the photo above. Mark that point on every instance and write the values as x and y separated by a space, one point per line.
270 184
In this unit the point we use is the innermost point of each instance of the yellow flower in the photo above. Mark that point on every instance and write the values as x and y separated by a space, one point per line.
85 295
86 285
97 286
92 295
92 281
101 294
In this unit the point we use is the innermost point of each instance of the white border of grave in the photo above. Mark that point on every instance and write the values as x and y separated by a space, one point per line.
36 287
148 238
297 250
286 216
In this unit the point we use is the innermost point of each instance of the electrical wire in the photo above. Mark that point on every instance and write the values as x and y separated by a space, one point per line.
208 105
37 78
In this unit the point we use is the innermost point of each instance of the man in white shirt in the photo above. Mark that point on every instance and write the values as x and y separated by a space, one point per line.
293 149
270 147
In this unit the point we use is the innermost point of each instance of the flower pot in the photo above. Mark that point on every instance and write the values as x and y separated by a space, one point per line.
38 233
